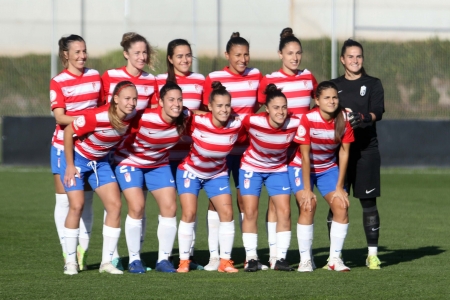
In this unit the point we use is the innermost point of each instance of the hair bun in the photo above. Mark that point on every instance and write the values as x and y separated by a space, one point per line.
271 88
235 34
217 86
286 32
126 37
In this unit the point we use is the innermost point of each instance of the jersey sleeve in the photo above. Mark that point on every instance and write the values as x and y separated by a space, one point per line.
104 91
262 87
348 134
57 99
302 136
84 124
377 99
207 89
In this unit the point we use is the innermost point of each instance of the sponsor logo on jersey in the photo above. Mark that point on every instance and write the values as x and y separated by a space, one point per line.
297 181
80 121
247 183
52 96
127 177
362 91
187 183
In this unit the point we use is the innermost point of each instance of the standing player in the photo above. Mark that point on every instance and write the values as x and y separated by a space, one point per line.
324 136
265 162
73 91
138 53
298 86
214 135
242 83
179 61
96 132
364 96
144 160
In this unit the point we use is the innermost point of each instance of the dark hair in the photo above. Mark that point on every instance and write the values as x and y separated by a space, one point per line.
339 116
116 122
170 51
236 39
181 120
287 36
129 38
271 92
218 89
351 43
64 44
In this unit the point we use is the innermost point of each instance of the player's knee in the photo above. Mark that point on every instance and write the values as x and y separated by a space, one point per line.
226 215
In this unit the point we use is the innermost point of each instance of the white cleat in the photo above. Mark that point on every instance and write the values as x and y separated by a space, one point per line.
109 268
213 265
336 264
305 266
272 262
71 268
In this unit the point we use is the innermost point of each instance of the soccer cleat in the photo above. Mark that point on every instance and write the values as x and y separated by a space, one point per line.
117 263
183 266
81 257
251 265
213 265
373 263
193 265
283 265
336 264
165 266
226 266
262 267
71 268
305 266
272 262
136 267
328 259
109 268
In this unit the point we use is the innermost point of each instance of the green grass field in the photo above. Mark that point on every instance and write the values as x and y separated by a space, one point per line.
414 249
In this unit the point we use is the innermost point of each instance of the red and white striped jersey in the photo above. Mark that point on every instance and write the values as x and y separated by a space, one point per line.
211 146
268 145
145 84
150 140
299 89
191 87
319 133
74 94
95 134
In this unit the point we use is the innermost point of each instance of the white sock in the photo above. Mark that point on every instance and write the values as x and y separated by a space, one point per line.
226 239
110 238
250 241
283 243
71 238
305 237
167 230
61 211
185 239
338 233
133 228
116 252
241 219
272 238
191 250
213 233
87 218
373 250
144 222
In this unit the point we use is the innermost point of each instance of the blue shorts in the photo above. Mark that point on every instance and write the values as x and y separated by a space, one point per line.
277 183
174 167
97 173
55 159
154 178
233 165
325 182
189 183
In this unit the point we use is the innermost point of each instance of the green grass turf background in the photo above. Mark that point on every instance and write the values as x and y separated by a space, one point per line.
414 249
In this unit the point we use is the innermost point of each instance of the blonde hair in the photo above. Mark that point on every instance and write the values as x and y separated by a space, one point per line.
129 38
113 117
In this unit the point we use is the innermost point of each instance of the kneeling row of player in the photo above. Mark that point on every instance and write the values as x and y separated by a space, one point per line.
142 158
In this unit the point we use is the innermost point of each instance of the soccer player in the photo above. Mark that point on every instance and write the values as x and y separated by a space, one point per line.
298 86
364 96
96 132
324 136
179 61
214 135
143 160
242 83
138 53
265 162
73 91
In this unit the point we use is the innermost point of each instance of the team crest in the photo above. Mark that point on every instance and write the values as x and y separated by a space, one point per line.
127 177
197 88
52 95
297 181
94 85
250 84
362 91
246 183
187 183
146 89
